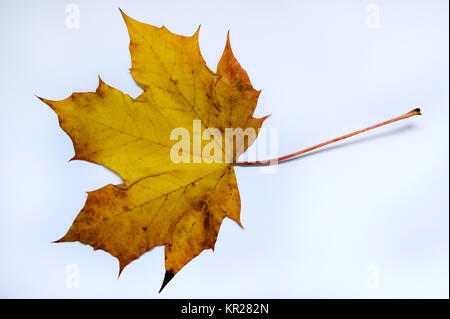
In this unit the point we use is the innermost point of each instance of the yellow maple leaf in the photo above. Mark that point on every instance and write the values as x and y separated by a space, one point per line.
178 205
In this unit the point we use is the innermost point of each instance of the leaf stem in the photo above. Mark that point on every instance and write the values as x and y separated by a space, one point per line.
285 157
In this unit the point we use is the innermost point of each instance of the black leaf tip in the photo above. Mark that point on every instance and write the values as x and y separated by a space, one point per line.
167 277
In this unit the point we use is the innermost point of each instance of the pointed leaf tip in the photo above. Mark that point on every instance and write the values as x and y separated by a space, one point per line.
124 15
100 82
40 98
121 268
228 44
167 278
122 265
197 32
61 240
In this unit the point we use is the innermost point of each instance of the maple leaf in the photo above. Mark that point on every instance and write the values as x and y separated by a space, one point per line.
178 205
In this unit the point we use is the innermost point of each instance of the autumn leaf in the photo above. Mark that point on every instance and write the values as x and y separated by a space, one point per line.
178 205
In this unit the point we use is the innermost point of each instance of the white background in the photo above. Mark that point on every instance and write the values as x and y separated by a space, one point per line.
365 219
